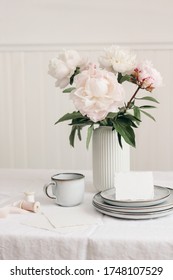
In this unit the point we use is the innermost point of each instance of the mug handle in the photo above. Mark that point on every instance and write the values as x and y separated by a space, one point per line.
45 189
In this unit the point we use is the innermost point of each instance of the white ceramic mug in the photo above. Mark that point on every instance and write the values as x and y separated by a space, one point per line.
67 188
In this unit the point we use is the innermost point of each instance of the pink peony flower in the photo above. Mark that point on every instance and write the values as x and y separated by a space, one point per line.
146 76
97 93
63 66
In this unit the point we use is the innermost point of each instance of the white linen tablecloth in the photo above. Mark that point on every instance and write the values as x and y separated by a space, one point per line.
103 237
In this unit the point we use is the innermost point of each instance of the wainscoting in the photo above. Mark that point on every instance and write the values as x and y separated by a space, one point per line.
32 32
30 105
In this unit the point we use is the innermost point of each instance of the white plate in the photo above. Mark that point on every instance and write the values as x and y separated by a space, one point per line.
160 195
152 215
165 205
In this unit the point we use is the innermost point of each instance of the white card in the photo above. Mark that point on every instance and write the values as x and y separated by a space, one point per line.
134 185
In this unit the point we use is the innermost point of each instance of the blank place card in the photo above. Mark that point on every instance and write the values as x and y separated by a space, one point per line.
134 185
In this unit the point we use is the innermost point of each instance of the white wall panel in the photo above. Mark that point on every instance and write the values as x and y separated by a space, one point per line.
31 32
30 105
154 139
89 21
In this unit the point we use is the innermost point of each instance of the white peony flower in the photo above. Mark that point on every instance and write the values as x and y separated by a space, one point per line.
63 66
119 60
97 93
146 76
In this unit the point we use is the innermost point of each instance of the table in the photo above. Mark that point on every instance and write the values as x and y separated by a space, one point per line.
109 239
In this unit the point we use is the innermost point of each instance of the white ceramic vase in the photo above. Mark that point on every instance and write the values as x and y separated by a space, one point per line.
108 157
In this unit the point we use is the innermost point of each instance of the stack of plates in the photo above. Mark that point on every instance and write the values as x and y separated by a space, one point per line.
161 205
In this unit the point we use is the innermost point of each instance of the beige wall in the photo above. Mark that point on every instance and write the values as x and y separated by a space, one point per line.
31 32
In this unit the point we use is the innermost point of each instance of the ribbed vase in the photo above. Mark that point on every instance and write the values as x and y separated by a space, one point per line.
108 157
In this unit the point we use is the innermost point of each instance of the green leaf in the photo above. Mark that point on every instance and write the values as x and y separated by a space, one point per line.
111 115
127 120
79 132
76 72
131 117
72 135
103 122
137 114
81 122
89 134
119 77
119 140
147 107
70 116
149 98
148 115
125 78
125 131
68 89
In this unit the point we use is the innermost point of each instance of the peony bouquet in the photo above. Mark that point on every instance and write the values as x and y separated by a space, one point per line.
98 94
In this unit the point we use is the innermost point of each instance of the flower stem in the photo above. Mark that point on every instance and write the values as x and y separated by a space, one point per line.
133 96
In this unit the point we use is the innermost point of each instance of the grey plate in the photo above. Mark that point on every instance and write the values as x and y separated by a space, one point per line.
128 216
165 205
160 195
